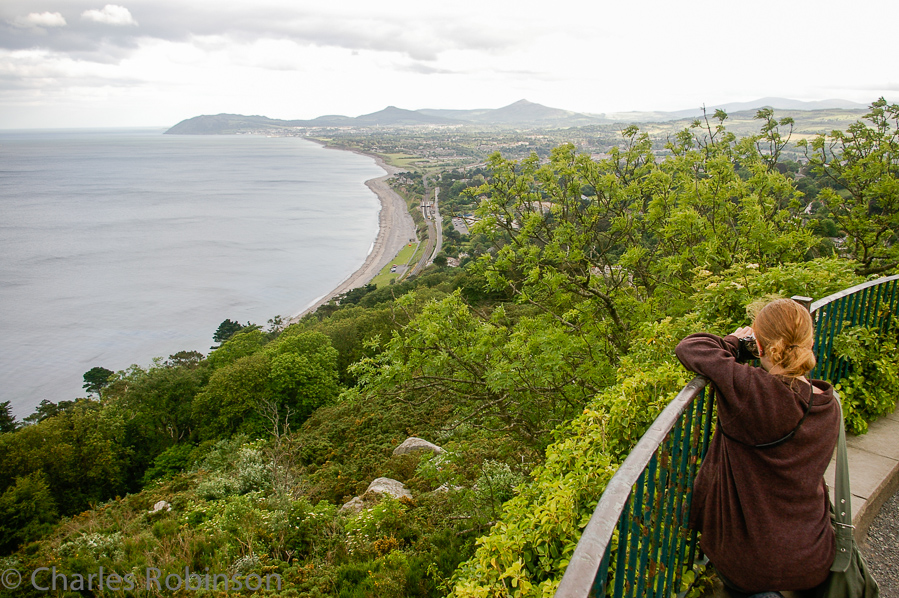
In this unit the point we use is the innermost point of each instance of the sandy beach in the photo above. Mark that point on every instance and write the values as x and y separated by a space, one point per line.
395 229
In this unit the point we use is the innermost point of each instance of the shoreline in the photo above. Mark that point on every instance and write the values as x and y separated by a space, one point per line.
395 229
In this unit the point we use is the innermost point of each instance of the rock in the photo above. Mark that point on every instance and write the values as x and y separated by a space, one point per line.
388 486
355 505
413 444
161 506
380 486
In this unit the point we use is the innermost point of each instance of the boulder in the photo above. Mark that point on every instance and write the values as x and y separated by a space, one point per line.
413 445
161 506
380 486
387 486
355 505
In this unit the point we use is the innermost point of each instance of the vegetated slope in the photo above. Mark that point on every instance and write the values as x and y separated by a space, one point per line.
535 369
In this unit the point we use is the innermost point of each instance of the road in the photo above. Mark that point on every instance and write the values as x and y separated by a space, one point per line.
434 244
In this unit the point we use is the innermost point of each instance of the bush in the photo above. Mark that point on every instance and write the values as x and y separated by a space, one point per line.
870 389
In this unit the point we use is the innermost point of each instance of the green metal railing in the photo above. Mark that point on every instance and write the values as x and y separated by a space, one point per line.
869 304
637 542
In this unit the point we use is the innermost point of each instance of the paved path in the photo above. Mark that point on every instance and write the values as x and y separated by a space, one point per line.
873 470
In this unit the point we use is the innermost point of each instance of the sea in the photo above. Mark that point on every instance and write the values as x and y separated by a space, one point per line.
121 246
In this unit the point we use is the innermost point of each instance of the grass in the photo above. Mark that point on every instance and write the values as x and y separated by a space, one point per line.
402 160
405 256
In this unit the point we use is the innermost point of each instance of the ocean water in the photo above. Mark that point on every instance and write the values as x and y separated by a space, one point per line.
119 246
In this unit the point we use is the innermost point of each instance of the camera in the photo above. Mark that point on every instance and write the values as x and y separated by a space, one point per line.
749 350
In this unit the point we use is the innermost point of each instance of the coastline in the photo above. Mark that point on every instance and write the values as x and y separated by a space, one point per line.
395 229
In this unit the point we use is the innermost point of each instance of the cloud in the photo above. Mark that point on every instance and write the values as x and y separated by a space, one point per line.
40 19
424 69
417 32
111 14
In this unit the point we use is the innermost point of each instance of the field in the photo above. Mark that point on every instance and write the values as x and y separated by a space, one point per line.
404 257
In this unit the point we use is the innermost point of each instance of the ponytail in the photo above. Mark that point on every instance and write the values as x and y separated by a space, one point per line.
786 331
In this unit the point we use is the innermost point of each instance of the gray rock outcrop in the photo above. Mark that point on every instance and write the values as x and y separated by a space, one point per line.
378 487
413 445
387 486
161 506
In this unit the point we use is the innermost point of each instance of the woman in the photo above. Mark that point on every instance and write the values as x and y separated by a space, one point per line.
760 501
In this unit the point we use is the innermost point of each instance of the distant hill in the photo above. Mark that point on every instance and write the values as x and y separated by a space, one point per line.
521 113
776 103
224 124
393 116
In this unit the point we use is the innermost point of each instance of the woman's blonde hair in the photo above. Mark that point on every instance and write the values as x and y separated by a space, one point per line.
787 333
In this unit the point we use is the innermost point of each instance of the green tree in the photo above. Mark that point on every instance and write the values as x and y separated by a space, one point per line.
188 359
46 409
158 400
27 511
303 371
862 164
96 379
226 330
228 402
80 450
241 344
603 244
523 377
156 405
7 419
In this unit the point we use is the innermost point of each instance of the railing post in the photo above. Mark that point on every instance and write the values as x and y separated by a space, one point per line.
805 302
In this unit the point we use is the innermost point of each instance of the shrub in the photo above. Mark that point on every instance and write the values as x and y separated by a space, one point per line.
870 388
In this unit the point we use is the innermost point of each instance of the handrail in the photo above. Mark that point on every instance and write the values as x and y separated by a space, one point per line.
664 463
851 290
862 305
582 570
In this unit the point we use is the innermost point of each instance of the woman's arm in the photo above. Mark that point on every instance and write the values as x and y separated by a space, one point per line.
750 401
705 353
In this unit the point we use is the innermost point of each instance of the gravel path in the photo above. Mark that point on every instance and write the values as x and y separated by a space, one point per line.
881 548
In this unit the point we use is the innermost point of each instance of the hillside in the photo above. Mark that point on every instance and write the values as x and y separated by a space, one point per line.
530 369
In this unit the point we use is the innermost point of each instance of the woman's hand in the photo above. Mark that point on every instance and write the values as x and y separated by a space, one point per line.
744 332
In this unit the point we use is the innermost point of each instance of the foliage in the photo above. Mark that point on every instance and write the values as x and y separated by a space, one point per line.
27 511
96 378
46 409
627 233
525 377
870 388
80 453
241 344
227 329
7 419
170 462
291 377
863 165
528 549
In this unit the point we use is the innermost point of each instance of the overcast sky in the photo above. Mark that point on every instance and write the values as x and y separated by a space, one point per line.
82 63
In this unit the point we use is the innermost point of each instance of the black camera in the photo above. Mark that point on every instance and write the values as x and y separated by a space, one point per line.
749 350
